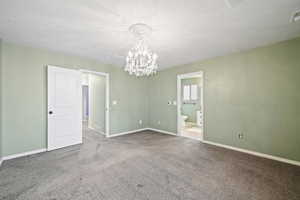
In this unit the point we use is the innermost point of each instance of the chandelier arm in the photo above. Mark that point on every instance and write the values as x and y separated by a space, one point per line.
140 60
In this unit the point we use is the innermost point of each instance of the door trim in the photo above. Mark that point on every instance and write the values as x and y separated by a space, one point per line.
107 98
179 78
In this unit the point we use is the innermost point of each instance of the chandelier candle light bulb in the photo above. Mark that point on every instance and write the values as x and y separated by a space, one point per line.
141 61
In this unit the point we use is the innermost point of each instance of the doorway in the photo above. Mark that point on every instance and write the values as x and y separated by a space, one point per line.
190 107
85 103
95 101
69 104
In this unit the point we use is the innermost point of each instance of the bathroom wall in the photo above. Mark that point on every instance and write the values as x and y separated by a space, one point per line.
189 108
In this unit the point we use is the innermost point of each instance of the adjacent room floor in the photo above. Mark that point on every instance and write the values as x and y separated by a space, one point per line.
147 165
192 132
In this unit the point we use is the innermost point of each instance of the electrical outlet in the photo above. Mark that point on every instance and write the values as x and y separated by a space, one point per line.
140 121
240 136
158 122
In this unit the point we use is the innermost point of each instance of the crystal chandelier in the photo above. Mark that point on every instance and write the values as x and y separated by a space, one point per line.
141 61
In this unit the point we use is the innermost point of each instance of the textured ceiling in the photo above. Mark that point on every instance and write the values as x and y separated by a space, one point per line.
183 30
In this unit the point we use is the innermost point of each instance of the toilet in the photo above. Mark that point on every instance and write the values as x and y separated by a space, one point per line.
183 119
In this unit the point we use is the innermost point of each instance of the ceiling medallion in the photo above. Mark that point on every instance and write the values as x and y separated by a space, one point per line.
141 61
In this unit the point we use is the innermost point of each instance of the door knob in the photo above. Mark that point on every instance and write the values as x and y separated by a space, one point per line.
50 112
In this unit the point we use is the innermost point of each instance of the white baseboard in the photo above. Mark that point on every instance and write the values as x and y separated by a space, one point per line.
293 162
128 132
162 131
96 130
23 154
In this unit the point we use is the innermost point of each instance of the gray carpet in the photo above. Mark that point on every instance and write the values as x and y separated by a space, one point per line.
147 165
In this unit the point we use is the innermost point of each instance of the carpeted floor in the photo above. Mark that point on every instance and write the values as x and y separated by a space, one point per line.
147 165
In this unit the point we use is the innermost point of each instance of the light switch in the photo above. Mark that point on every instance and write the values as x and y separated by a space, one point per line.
115 102
174 103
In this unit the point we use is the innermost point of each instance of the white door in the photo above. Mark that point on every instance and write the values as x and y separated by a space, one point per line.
64 107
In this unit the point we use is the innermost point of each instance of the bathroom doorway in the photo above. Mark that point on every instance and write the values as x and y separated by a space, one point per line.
190 107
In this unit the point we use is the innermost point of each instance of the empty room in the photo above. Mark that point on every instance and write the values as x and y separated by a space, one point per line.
150 100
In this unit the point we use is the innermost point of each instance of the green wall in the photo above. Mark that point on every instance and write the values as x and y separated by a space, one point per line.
97 102
190 109
24 96
256 93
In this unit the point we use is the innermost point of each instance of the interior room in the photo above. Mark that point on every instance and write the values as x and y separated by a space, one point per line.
191 106
151 99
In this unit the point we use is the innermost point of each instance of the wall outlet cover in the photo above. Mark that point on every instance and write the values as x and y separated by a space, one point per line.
241 136
140 121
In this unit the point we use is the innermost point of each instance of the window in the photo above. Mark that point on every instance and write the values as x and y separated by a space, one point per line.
190 92
194 92
186 93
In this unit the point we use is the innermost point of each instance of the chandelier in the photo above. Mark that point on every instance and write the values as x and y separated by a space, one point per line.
141 61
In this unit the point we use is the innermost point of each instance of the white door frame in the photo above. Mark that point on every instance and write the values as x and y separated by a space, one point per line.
107 108
179 78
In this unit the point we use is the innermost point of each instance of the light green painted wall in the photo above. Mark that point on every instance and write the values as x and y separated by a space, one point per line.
97 102
189 109
254 92
24 96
